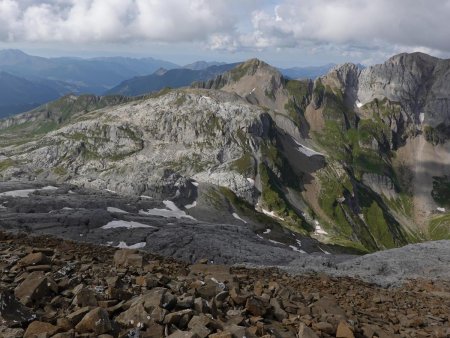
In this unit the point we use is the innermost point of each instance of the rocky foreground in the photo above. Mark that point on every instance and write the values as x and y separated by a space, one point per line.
55 288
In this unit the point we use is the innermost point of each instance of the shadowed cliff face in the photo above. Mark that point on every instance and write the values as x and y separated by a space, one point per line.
351 158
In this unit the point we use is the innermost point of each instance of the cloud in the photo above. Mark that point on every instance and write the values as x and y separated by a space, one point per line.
352 28
420 24
119 20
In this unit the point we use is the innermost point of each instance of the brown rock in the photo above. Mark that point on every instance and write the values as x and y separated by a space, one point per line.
174 317
126 258
306 332
77 315
37 329
37 258
237 297
6 332
183 334
327 305
278 312
86 297
256 306
96 320
224 334
33 289
44 268
344 330
153 331
70 334
324 327
64 323
220 273
133 316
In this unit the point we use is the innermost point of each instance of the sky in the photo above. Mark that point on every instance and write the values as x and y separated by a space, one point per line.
284 33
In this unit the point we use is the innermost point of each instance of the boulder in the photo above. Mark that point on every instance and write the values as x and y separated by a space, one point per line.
344 330
128 258
37 258
40 329
33 289
96 321
12 312
256 306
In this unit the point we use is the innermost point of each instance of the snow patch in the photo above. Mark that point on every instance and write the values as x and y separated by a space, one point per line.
359 104
307 151
25 192
194 183
111 191
275 242
123 245
190 206
324 251
440 209
421 117
171 211
272 214
146 197
296 249
125 224
238 218
267 231
319 231
116 210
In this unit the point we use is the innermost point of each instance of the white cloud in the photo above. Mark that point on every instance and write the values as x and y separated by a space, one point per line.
119 20
355 28
416 24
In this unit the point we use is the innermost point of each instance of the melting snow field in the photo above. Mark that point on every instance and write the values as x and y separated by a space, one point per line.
123 245
116 210
171 211
307 151
319 231
24 192
271 214
190 206
238 218
125 224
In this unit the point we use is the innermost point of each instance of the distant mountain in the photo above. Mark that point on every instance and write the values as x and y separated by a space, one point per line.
87 75
18 94
200 65
174 78
312 72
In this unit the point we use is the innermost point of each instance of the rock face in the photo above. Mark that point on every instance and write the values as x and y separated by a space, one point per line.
206 300
419 82
358 157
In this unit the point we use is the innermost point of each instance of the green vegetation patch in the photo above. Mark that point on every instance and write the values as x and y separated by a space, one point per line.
378 227
6 164
440 227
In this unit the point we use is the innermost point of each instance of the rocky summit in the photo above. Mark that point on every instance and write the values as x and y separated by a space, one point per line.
55 288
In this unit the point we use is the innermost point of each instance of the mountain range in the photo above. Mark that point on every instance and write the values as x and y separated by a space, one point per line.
357 158
29 81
